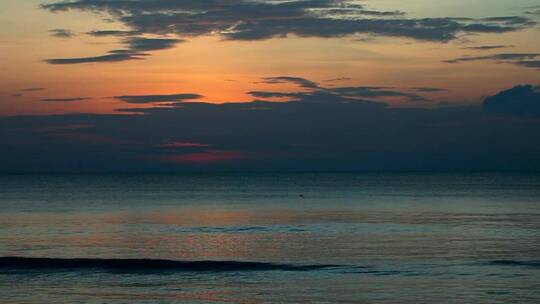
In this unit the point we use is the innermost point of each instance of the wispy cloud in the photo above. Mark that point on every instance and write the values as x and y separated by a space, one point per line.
430 90
487 47
337 79
140 99
61 33
66 99
302 82
113 56
33 89
318 93
137 49
114 33
520 59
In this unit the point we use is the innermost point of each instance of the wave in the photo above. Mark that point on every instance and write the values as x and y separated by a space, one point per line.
138 265
516 263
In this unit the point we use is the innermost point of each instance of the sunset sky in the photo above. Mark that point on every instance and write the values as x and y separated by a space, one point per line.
251 84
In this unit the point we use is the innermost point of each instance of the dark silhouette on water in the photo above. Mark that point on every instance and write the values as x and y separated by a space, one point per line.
150 265
516 263
21 263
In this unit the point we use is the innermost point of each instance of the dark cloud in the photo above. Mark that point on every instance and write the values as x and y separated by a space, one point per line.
114 33
313 133
487 47
520 59
528 63
136 50
380 14
337 79
113 56
253 20
504 56
36 89
374 92
158 98
304 83
429 29
519 100
256 20
318 93
61 33
430 90
20 92
150 44
66 99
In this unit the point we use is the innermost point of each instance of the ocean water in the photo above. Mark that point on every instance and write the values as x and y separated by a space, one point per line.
270 238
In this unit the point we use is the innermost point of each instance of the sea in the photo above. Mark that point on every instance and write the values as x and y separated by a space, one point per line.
270 238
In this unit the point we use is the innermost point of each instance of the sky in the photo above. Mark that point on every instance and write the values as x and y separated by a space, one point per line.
296 85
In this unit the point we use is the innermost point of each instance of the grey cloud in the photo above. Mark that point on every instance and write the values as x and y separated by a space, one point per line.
430 29
302 82
357 11
318 93
66 99
135 48
381 14
520 59
36 89
151 44
61 33
265 94
20 92
504 56
113 56
487 47
337 79
252 20
140 99
528 63
374 92
430 90
114 33
256 20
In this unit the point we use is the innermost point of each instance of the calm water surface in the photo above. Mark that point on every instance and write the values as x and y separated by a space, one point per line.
312 238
